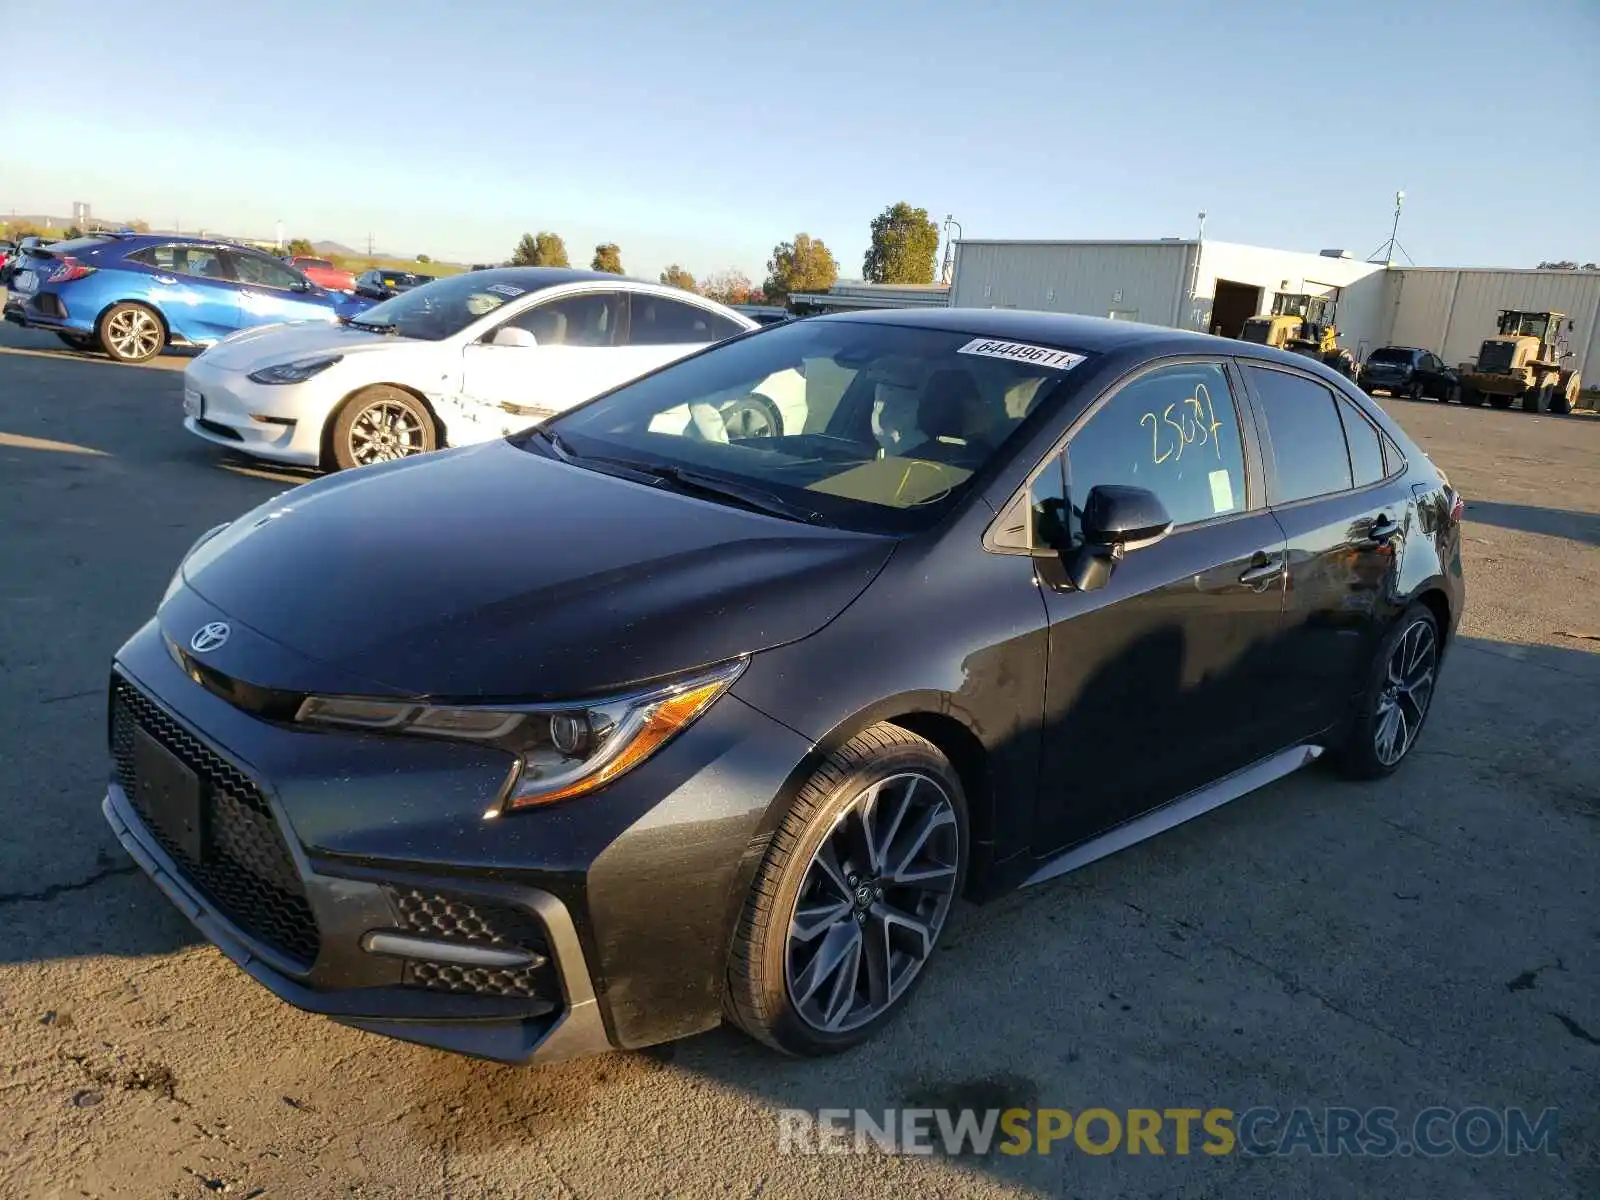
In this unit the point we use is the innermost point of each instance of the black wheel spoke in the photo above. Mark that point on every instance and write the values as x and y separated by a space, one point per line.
1406 692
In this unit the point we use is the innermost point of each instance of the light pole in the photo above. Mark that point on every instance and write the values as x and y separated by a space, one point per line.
1202 215
949 248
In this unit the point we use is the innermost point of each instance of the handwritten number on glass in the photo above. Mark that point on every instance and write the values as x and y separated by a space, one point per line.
1195 425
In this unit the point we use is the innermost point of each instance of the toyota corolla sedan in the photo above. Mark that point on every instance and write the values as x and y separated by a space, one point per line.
599 734
454 362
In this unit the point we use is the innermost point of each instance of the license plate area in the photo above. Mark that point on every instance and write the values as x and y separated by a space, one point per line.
170 793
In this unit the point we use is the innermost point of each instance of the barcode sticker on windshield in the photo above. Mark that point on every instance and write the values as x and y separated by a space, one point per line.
1038 356
507 289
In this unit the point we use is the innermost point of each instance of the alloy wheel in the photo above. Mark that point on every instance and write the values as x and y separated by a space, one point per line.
873 901
1406 692
133 333
384 431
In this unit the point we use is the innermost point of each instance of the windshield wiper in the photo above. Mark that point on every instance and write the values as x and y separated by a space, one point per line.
557 443
710 486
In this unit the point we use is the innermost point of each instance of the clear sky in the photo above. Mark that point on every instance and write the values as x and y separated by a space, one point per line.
450 128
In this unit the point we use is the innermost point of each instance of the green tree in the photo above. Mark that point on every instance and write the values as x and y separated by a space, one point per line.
301 246
904 243
423 258
676 276
607 257
544 250
803 265
74 232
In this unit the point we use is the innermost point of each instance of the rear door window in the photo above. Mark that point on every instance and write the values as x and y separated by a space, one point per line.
1366 451
658 321
1306 435
204 262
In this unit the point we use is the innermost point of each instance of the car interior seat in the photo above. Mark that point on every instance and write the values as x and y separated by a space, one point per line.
548 325
963 426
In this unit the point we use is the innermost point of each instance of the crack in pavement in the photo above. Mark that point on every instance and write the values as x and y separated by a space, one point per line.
1576 1030
58 889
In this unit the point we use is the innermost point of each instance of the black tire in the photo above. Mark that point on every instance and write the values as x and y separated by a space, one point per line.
1537 398
1499 401
1565 399
752 416
1453 392
758 998
78 341
131 333
1414 391
1359 756
378 424
1471 397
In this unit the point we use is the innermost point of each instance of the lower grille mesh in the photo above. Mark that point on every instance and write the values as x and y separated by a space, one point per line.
479 923
246 870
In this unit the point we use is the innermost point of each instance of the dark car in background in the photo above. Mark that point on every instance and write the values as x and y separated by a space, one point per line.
381 284
597 734
1408 371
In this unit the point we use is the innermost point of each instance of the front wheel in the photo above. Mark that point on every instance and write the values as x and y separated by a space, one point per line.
132 333
1395 702
856 887
1565 400
379 424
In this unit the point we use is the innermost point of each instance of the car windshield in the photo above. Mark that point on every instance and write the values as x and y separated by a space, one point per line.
867 426
442 308
1391 354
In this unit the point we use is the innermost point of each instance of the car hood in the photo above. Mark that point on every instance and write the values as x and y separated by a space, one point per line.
252 349
493 572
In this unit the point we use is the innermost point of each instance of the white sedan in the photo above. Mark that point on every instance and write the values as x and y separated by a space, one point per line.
464 359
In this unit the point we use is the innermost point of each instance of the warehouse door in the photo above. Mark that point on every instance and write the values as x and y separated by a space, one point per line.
1232 305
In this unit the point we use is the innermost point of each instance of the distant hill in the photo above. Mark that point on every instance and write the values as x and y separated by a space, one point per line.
329 249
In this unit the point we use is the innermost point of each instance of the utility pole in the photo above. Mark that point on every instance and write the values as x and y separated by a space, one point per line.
948 265
369 243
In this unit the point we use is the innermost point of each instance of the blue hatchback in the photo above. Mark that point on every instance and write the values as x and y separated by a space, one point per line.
132 295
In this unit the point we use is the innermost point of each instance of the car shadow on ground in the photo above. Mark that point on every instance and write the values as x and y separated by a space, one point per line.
1582 527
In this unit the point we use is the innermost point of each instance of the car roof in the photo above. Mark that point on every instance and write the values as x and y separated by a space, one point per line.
543 277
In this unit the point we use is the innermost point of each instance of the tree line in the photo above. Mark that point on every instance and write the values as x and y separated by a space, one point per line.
903 245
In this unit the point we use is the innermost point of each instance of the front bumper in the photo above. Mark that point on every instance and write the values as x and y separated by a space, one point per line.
315 844
281 422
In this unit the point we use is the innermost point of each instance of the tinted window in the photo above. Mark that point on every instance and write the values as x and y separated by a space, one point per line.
897 421
1174 431
203 261
1393 459
587 319
658 321
1390 354
261 271
1366 451
1307 437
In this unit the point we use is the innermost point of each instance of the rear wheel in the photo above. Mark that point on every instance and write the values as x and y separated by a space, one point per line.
132 333
1471 397
1396 700
379 424
1413 391
1537 398
855 889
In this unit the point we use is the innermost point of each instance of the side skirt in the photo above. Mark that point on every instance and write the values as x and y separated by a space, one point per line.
1185 808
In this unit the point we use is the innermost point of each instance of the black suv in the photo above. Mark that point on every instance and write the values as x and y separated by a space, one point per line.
1410 372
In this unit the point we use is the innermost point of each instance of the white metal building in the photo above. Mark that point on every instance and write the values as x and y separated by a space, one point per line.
1215 286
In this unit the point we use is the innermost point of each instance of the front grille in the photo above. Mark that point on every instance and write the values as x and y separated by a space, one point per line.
246 870
480 923
1496 356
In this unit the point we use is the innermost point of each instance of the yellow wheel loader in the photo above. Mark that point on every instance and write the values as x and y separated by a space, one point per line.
1302 324
1523 362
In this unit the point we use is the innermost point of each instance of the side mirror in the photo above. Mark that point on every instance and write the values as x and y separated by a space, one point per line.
301 285
1116 519
510 335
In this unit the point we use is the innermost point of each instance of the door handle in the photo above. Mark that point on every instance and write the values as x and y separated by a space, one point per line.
1383 528
1263 569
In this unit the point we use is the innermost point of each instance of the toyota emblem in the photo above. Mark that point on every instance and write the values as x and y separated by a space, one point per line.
209 636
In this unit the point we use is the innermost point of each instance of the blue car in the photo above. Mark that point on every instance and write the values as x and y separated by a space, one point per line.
133 295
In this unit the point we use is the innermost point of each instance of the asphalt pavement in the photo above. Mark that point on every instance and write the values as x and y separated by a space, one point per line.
1433 939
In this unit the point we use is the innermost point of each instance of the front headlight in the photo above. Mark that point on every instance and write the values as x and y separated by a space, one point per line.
563 750
298 371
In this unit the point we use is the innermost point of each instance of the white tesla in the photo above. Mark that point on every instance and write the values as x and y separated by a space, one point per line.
464 359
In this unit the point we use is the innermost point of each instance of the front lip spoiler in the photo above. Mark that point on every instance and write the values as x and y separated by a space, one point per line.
577 1031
